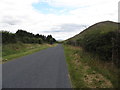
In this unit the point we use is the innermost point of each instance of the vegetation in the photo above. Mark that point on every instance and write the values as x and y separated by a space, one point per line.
12 51
101 39
94 56
88 71
25 37
23 43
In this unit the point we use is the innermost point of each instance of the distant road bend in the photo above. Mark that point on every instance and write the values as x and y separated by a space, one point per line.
44 69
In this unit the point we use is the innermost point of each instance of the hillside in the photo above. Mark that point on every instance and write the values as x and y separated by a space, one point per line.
93 56
101 27
102 39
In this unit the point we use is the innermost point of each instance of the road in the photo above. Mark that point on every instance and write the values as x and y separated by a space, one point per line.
43 69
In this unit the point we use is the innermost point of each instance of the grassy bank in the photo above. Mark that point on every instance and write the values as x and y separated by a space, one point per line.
12 51
87 71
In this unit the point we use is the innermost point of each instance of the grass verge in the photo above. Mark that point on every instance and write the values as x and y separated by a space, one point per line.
87 71
12 51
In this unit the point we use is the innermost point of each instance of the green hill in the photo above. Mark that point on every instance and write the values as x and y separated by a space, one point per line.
102 27
102 39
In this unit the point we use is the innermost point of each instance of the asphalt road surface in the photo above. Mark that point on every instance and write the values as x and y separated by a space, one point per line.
44 69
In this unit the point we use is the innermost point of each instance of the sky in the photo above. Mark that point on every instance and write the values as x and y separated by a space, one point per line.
60 18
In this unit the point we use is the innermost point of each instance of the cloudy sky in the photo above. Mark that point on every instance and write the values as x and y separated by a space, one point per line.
61 18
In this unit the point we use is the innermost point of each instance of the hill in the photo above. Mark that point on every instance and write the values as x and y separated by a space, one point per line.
102 27
102 39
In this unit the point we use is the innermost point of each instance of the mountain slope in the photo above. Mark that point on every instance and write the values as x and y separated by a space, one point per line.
102 27
102 39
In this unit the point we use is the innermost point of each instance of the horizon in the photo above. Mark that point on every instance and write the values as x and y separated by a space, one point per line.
61 39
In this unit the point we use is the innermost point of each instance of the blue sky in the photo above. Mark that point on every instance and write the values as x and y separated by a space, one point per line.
61 18
45 8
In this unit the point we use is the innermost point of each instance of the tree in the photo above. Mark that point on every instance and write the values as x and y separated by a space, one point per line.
25 37
8 37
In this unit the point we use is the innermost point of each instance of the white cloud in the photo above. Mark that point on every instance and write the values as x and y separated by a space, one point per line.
20 14
97 13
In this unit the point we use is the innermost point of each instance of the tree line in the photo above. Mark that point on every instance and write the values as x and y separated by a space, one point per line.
25 37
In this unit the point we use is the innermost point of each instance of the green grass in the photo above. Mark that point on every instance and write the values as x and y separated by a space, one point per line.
75 72
105 68
12 51
82 64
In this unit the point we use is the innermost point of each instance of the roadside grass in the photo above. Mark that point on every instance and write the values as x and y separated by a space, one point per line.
13 51
75 71
87 71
